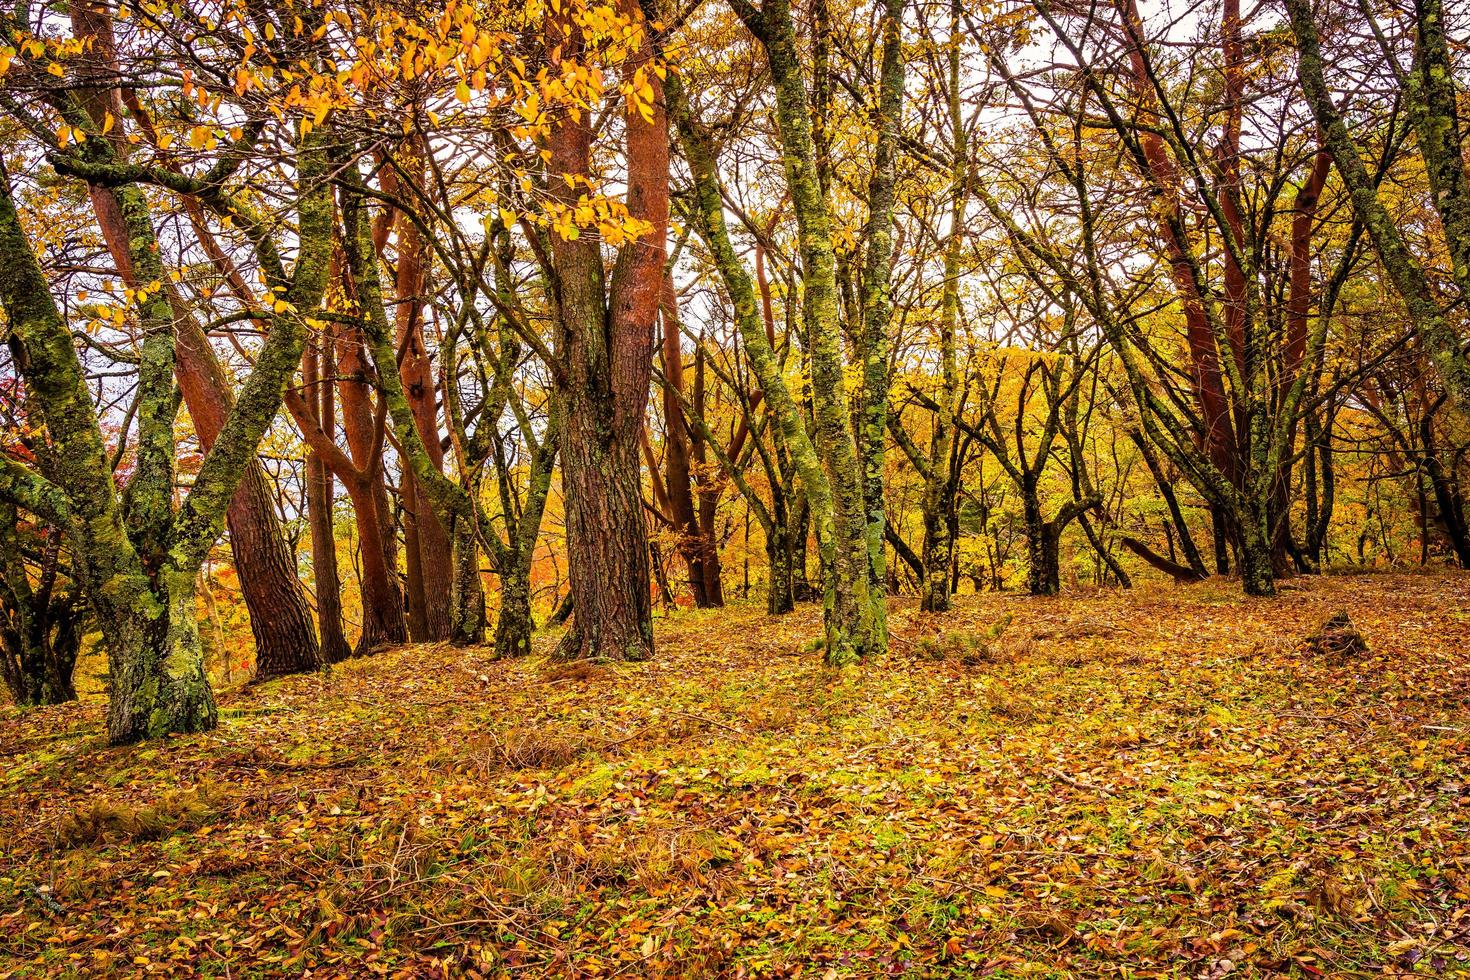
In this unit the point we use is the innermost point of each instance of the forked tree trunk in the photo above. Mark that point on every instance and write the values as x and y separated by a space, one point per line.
513 624
1042 548
280 618
43 665
607 535
604 349
382 599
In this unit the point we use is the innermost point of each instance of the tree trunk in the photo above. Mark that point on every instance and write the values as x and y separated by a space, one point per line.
40 644
426 542
780 595
854 626
280 617
676 449
43 665
157 684
1042 545
605 337
39 629
467 601
1257 568
607 536
938 558
708 498
320 492
877 317
318 366
513 623
802 589
382 599
1220 531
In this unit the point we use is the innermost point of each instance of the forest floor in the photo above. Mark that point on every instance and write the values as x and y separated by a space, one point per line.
1166 782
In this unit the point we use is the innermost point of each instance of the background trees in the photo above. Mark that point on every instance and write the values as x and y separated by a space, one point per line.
1033 298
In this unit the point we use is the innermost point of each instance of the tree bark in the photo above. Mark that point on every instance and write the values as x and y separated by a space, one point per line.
319 364
852 632
605 339
426 542
1402 268
280 618
676 449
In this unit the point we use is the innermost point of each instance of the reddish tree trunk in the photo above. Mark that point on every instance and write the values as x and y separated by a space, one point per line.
425 539
319 363
709 498
1206 378
382 598
605 339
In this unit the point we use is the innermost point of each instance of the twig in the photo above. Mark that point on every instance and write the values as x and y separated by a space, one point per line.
1076 784
710 721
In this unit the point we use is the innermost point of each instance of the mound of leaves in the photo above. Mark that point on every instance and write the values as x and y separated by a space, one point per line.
104 822
969 647
1338 639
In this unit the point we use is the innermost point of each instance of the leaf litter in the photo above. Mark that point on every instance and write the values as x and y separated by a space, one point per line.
1165 782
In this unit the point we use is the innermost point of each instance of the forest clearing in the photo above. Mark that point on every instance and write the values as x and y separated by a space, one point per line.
734 488
1163 782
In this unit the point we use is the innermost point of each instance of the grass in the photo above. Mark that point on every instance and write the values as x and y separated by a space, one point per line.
1168 782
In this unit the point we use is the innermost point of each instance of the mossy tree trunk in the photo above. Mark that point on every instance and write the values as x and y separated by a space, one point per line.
136 558
940 486
513 560
853 629
467 592
138 565
1402 268
678 506
877 315
280 619
709 217
1433 99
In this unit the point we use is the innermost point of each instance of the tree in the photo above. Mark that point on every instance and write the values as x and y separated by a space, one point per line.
40 623
280 620
138 566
